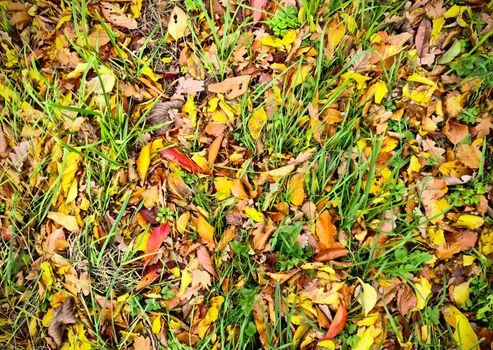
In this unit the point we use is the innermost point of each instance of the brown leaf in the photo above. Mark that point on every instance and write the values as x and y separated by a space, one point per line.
469 155
188 86
63 315
205 260
406 299
423 37
231 87
3 143
484 126
116 16
455 132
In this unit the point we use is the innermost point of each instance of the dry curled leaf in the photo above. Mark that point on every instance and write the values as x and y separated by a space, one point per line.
160 115
63 315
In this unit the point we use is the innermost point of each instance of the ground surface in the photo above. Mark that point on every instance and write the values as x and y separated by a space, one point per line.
321 178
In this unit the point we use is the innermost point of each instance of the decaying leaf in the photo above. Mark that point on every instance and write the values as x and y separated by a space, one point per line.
177 23
63 315
115 15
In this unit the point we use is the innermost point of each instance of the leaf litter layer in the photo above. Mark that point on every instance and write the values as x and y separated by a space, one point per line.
245 175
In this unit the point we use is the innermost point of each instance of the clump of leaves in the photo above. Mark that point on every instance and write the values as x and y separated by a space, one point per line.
289 252
284 20
479 64
469 115
463 196
164 214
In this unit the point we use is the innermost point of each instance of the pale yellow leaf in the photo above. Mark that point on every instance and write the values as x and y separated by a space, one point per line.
365 341
67 221
177 23
369 298
254 214
461 294
71 165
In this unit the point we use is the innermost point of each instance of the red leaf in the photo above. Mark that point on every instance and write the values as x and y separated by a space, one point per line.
156 238
152 274
180 158
338 323
148 216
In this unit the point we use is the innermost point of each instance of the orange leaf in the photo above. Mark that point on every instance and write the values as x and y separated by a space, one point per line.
157 237
332 253
180 158
238 190
325 230
295 190
338 323
214 149
206 230
151 275
232 87
205 259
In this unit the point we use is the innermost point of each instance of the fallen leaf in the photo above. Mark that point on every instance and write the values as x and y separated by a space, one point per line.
325 230
152 274
469 155
211 316
67 221
380 91
63 315
464 334
256 122
115 15
206 230
205 260
460 294
180 158
469 221
156 238
231 87
257 7
296 193
338 322
177 23
142 343
366 340
370 297
455 132
143 161
214 149
423 291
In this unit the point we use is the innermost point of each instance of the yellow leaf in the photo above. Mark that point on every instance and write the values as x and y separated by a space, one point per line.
141 241
300 75
454 11
370 297
186 279
420 79
423 291
414 165
296 193
47 276
358 78
48 316
437 27
256 122
223 187
33 327
72 192
147 71
380 91
468 260
254 214
71 165
144 160
272 41
136 7
178 23
436 208
206 230
67 221
181 223
289 38
464 334
335 33
368 320
156 325
282 171
461 294
327 344
211 316
190 108
469 221
365 341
